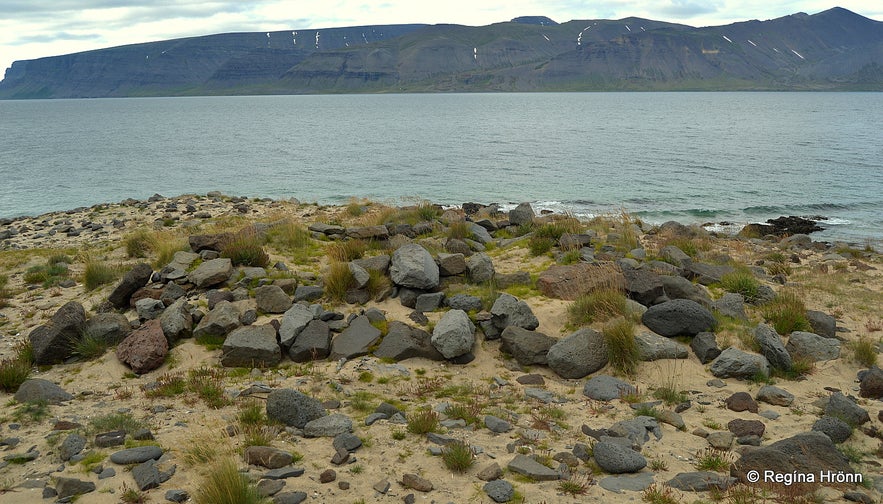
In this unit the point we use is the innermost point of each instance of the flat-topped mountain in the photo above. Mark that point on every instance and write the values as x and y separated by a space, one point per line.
834 49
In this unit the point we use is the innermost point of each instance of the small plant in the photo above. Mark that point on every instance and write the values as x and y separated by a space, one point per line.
98 273
575 485
354 208
741 282
49 275
658 465
786 312
661 494
711 459
597 306
115 422
337 281
13 372
357 469
366 377
648 411
458 456
469 412
539 245
224 484
852 453
31 412
5 294
423 421
90 347
712 424
245 248
252 413
398 434
138 243
864 351
132 495
459 230
669 395
347 250
622 349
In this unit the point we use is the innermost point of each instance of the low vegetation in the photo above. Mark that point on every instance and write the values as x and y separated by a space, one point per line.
597 306
224 484
622 349
245 248
786 312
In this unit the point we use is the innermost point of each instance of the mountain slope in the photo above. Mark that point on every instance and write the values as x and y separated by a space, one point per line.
833 49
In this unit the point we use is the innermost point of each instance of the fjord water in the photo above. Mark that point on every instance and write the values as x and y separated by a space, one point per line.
691 157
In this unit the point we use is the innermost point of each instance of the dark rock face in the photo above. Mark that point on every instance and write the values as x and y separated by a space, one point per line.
405 342
570 282
108 327
791 225
293 408
412 266
579 354
251 346
809 452
528 347
312 342
771 347
835 428
678 317
53 342
355 340
705 347
846 409
38 390
871 383
133 280
643 286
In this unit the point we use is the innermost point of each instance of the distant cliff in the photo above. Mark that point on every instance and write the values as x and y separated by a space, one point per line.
835 49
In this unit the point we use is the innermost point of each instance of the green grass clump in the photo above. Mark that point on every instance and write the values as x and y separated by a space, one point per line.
622 349
252 413
245 248
741 282
711 459
468 412
669 395
575 485
5 293
864 351
98 273
347 250
13 372
458 456
31 412
786 312
459 230
139 243
661 494
116 422
89 347
50 274
597 306
337 281
539 245
224 484
423 421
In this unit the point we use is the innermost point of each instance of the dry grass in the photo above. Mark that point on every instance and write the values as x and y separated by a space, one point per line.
786 313
597 306
224 484
346 251
338 279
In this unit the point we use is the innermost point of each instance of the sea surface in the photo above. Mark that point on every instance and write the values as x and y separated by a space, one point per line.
691 157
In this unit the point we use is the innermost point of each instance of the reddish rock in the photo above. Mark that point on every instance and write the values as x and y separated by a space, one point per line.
740 427
145 349
570 282
741 401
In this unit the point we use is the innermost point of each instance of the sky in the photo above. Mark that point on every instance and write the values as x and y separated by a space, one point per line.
36 28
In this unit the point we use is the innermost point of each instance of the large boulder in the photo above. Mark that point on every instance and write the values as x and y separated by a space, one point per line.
653 347
510 311
356 340
451 264
37 390
707 274
293 322
110 328
454 334
53 342
405 342
480 268
210 273
571 281
805 453
145 349
812 346
133 280
271 299
527 347
177 321
846 409
293 408
734 363
822 324
606 388
218 322
522 214
871 383
771 347
643 286
251 346
679 317
731 305
705 347
412 266
579 354
615 458
312 342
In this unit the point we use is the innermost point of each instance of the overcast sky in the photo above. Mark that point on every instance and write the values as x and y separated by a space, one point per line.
36 28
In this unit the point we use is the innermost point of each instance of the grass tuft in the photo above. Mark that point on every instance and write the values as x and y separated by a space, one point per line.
786 312
622 349
337 281
597 306
423 421
458 456
864 351
711 459
98 273
245 248
741 282
224 484
347 250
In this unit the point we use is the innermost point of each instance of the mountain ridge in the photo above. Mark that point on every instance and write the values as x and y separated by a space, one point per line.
834 49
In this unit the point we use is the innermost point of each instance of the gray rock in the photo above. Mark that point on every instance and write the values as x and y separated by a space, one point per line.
771 347
355 340
289 498
149 308
53 342
412 266
35 390
771 394
632 482
346 441
136 455
706 274
361 277
110 328
429 302
527 347
675 256
210 273
328 426
522 214
579 354
702 481
451 264
812 346
490 472
68 487
148 476
284 473
496 425
463 302
637 430
218 322
835 428
678 287
405 342
606 388
732 305
705 347
845 408
293 322
679 317
871 383
177 496
510 311
272 299
822 324
671 418
308 293
251 346
617 459
642 285
499 490
454 334
72 445
293 408
177 321
527 466
312 342
368 233
267 456
133 280
734 363
809 452
653 347
721 440
112 438
480 268
378 263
